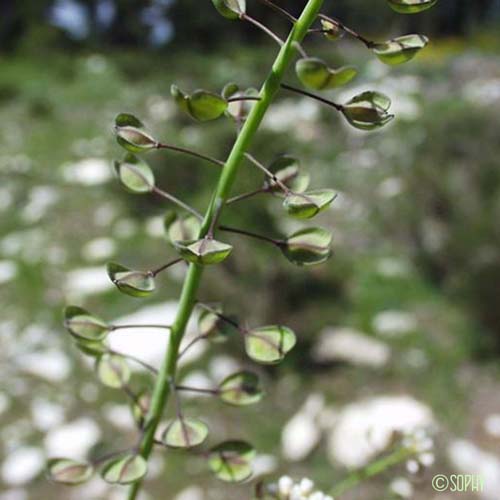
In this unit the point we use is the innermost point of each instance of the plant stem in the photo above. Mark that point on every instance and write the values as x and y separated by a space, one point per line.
221 316
190 152
369 44
228 175
155 272
279 10
176 201
265 29
256 236
139 361
124 327
191 344
245 196
373 469
338 107
269 174
243 98
198 390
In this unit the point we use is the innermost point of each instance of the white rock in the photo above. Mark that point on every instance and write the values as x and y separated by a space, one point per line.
22 465
41 199
302 433
99 249
89 172
46 414
283 117
155 227
199 380
492 425
263 465
51 365
467 458
87 281
401 487
393 324
120 416
365 428
8 271
346 344
191 493
72 440
391 267
391 187
222 366
149 344
25 245
482 91
14 494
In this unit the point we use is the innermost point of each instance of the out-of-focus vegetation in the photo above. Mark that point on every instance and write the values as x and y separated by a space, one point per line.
415 228
128 23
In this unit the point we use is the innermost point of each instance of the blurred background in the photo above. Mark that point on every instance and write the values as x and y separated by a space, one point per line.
400 329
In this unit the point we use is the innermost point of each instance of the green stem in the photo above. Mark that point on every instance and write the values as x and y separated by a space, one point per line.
371 470
228 175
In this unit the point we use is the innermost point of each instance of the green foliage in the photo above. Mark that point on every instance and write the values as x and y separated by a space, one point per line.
201 105
135 174
185 433
286 170
368 111
401 49
127 469
134 283
315 74
91 348
69 472
331 31
411 6
240 389
83 325
232 9
269 344
206 251
113 371
231 461
131 134
141 406
308 204
181 229
240 107
211 326
308 247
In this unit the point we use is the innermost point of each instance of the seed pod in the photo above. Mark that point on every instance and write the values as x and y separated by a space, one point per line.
131 135
411 6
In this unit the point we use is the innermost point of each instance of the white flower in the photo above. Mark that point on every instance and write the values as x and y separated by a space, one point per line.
285 485
420 443
306 486
401 487
287 489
